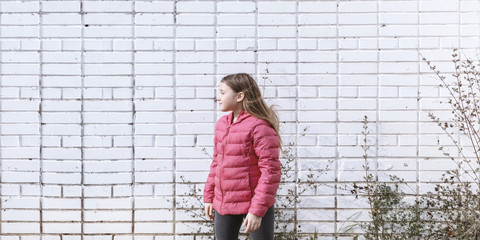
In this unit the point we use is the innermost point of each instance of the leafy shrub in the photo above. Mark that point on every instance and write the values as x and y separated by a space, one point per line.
452 209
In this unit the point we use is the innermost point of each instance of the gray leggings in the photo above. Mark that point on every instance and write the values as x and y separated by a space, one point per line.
227 227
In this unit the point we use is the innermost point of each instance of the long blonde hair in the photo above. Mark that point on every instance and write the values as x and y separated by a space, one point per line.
253 102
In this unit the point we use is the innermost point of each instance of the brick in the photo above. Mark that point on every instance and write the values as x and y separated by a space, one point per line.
277 56
358 31
195 7
397 6
357 18
10 190
20 19
357 103
153 19
236 7
324 6
155 7
195 19
317 68
59 216
395 80
276 31
438 30
351 68
358 56
403 55
107 228
225 56
441 18
21 227
399 67
61 166
194 57
308 104
276 19
276 7
31 152
319 56
27 7
364 6
431 6
265 44
304 44
317 31
236 19
107 7
398 18
197 32
324 44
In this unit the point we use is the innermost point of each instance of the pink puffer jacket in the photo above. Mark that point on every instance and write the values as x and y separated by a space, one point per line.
245 172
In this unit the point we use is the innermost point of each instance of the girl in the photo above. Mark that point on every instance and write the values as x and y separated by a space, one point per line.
245 172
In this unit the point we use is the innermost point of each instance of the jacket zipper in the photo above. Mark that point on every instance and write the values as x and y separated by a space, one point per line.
223 158
221 164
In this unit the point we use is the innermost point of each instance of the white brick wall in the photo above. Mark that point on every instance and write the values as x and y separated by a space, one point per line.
106 104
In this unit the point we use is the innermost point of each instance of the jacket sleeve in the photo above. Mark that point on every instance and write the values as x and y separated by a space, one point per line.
266 143
208 190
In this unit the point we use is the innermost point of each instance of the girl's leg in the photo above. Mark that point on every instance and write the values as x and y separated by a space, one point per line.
265 231
227 226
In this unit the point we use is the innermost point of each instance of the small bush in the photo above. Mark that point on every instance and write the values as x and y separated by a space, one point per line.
452 209
392 217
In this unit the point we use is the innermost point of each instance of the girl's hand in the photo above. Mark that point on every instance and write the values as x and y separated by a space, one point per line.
252 222
209 210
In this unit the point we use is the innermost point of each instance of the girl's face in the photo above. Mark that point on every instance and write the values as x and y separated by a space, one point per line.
229 100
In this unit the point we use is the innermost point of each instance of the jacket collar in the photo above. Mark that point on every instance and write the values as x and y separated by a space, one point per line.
243 114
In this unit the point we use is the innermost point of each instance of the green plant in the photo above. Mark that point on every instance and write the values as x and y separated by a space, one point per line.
452 209
455 202
391 216
286 205
196 209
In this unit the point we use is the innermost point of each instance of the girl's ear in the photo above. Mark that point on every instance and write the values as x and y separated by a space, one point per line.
240 96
